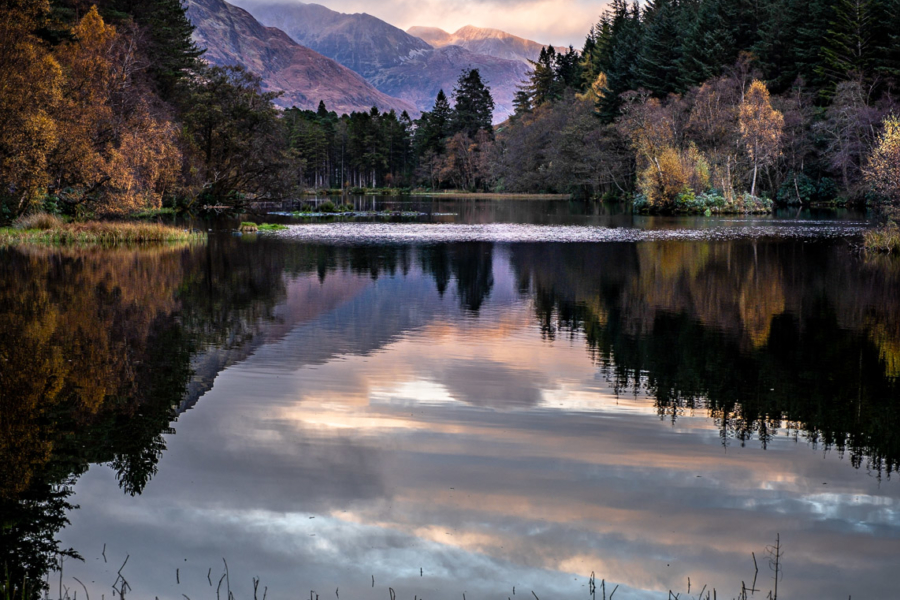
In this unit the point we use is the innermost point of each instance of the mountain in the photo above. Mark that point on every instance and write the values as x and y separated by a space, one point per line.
358 41
491 42
419 79
232 36
396 63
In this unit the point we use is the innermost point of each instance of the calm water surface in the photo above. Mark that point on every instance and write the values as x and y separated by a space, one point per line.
387 407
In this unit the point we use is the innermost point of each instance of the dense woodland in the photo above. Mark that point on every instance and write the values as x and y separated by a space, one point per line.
109 108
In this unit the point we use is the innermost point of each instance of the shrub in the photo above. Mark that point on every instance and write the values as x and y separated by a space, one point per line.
327 207
41 220
248 227
272 227
672 174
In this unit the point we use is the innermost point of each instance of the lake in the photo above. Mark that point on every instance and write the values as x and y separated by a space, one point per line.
458 403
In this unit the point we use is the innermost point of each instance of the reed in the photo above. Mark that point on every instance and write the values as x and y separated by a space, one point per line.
50 231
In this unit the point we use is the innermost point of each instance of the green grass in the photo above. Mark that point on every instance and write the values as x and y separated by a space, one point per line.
151 213
272 227
97 233
884 239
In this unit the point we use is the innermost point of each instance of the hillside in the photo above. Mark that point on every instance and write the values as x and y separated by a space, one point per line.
233 37
396 63
419 79
359 41
491 42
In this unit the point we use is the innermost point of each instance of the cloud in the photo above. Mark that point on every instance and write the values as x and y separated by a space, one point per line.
558 22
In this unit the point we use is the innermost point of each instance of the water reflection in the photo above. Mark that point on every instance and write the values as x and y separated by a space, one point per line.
488 413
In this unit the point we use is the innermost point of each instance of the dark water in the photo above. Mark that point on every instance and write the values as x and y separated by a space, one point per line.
453 412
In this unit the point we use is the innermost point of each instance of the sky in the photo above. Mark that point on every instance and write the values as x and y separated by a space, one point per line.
557 22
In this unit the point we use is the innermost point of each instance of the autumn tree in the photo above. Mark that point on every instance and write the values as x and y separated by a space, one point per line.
117 154
882 172
761 128
30 88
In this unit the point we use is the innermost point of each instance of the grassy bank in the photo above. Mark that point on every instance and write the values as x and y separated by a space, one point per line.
706 204
43 229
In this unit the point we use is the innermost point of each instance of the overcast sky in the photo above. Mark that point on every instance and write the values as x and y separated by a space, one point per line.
558 22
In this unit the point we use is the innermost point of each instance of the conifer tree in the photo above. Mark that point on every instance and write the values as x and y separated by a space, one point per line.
660 52
854 40
543 88
172 52
474 107
621 47
709 44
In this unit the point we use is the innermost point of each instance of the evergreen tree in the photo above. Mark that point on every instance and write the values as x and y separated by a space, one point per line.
660 53
621 42
171 51
433 128
709 45
854 41
568 71
474 106
776 49
543 88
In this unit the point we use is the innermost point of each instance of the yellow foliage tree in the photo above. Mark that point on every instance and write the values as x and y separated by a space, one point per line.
672 172
761 128
30 86
883 170
116 152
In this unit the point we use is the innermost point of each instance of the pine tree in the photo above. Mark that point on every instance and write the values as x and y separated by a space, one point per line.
543 87
709 45
474 106
621 47
172 52
776 49
433 128
854 41
660 53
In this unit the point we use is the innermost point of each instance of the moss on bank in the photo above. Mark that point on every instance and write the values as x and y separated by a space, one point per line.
53 232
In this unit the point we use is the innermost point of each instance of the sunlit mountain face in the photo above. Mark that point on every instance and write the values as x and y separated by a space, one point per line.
461 417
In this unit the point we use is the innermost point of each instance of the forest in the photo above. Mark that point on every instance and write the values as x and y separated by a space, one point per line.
109 108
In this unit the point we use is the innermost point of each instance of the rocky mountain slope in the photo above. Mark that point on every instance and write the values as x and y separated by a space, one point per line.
233 37
358 41
491 42
398 64
419 79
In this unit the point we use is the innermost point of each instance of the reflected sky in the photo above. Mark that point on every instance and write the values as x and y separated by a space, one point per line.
437 440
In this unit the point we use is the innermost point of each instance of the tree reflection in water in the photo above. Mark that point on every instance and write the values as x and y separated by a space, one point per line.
96 347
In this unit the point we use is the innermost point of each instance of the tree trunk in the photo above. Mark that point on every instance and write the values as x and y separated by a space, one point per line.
753 185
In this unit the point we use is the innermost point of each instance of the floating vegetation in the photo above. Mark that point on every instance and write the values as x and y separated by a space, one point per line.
49 230
272 227
248 227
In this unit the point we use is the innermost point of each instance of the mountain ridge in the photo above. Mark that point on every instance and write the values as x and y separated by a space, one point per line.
393 61
481 40
232 36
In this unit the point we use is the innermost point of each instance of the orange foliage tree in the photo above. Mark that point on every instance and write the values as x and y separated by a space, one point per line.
30 88
761 128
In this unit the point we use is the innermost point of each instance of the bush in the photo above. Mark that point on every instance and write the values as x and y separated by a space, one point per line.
41 221
248 227
326 207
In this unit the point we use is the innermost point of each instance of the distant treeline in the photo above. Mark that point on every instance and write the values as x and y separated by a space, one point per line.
673 103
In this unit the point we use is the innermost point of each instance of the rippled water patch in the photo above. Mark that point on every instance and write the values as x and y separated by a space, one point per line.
382 233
